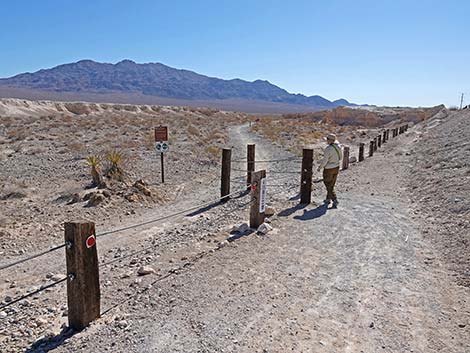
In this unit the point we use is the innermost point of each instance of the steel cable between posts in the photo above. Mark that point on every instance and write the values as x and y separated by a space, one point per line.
267 161
173 214
33 293
33 256
168 274
234 209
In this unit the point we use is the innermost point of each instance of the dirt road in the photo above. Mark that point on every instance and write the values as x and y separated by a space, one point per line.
360 278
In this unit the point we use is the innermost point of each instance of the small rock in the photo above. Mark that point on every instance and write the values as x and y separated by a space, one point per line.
122 324
126 275
106 193
371 325
145 270
3 315
264 228
95 200
269 211
222 244
8 299
242 229
74 199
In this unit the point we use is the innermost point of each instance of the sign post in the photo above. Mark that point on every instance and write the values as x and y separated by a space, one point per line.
161 145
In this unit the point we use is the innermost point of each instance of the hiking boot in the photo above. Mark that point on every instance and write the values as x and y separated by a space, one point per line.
326 201
335 203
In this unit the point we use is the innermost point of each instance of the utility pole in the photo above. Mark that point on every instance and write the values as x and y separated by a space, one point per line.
461 101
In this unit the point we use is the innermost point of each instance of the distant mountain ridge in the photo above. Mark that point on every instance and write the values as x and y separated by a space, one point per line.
156 80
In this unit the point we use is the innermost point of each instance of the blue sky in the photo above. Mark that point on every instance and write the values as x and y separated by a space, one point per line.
377 52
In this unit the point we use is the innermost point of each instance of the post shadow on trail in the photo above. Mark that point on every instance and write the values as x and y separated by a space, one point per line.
215 204
288 211
314 213
47 344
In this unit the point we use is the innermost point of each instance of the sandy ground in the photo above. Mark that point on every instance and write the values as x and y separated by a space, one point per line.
361 278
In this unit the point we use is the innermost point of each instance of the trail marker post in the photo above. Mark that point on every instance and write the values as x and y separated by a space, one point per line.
250 163
161 146
258 199
361 152
345 157
83 284
306 176
225 174
371 148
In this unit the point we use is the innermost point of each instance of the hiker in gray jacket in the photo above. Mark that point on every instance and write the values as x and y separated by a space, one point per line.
330 165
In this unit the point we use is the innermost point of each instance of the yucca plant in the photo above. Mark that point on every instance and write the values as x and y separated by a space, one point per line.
94 161
116 160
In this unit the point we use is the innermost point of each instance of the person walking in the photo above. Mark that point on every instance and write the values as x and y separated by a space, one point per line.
330 165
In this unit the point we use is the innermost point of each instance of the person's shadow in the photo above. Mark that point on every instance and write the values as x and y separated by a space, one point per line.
314 213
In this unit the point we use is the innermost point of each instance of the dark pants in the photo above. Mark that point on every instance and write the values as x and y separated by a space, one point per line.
329 178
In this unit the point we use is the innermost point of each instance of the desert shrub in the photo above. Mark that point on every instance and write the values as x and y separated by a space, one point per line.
116 161
94 161
213 150
193 131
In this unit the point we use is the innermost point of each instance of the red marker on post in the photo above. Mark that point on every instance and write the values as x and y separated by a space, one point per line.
90 241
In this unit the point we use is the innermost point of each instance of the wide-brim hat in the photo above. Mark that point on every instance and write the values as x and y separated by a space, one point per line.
330 137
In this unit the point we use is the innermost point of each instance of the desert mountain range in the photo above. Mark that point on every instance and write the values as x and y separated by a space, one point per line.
155 83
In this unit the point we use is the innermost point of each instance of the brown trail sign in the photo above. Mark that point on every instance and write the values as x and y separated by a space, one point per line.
161 145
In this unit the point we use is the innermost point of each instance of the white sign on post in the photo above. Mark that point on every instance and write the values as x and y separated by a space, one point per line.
262 196
162 146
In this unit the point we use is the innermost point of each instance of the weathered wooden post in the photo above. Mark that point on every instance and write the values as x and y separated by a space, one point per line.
258 199
371 148
83 284
388 134
345 158
306 176
375 144
384 136
379 141
250 163
361 152
225 175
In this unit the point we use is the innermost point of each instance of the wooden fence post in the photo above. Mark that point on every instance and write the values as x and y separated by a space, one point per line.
379 140
375 144
306 176
361 152
250 163
83 284
371 148
225 175
345 157
256 211
384 137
